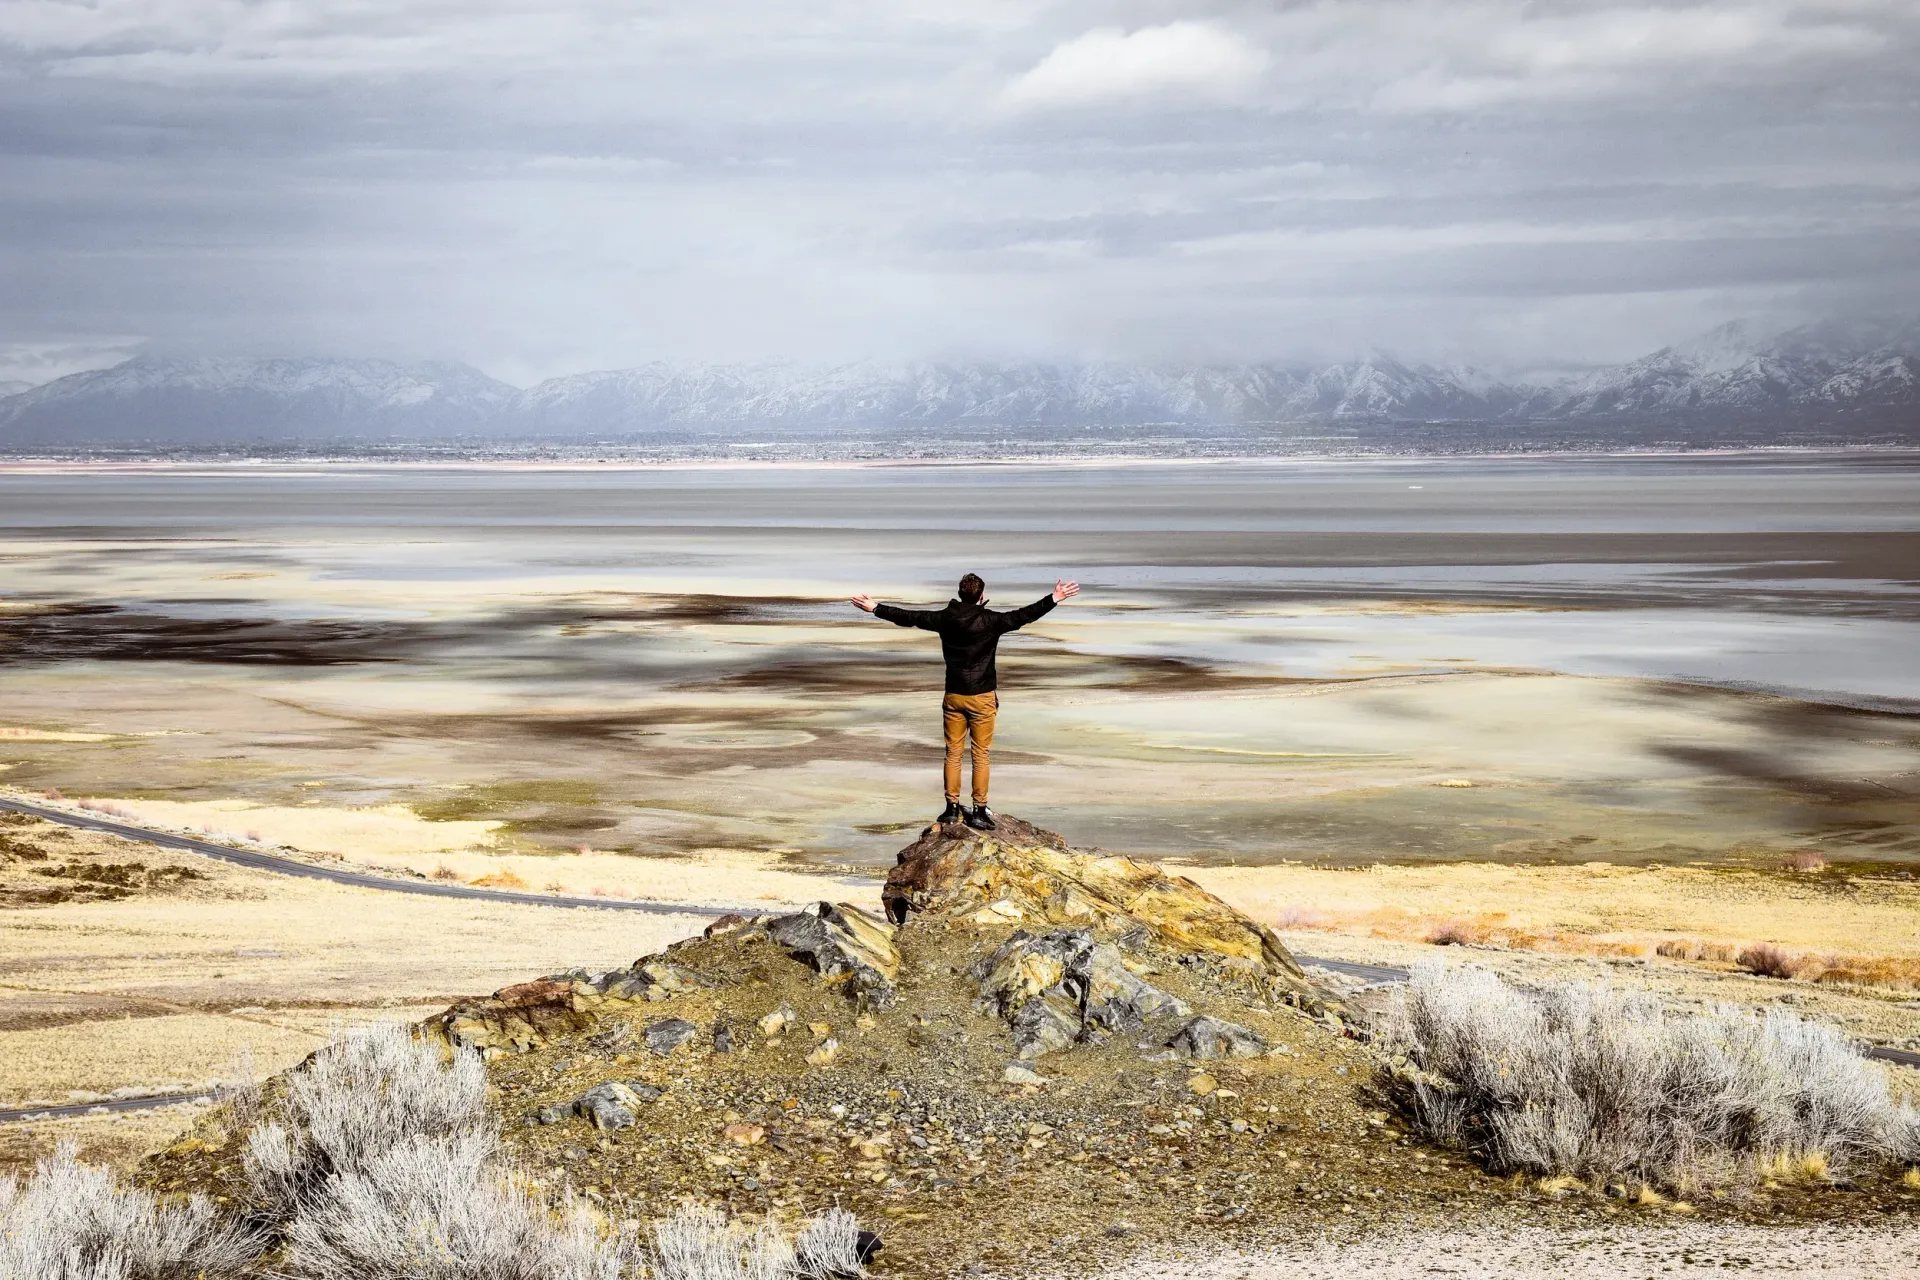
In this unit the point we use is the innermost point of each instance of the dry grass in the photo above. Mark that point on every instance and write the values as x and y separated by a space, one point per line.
1795 1168
117 1141
148 1054
505 879
385 829
1697 949
301 956
1862 938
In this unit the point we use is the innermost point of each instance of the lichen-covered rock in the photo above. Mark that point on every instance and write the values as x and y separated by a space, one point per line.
844 944
515 1019
1206 1037
1021 874
668 1034
608 1106
1065 987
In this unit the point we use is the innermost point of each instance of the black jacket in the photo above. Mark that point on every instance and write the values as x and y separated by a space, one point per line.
969 636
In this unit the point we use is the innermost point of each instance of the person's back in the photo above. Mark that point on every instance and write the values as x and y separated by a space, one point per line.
969 641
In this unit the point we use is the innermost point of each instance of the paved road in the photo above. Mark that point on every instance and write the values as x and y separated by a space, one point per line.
1372 973
112 1106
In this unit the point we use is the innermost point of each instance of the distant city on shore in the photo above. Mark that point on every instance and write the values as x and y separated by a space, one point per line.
1834 384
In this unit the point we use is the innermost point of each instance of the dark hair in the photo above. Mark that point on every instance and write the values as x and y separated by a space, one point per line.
971 589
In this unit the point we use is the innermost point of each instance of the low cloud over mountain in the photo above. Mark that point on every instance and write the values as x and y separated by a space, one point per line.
1862 372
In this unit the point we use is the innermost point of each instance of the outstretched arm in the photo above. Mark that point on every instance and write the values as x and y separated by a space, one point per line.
925 619
1062 590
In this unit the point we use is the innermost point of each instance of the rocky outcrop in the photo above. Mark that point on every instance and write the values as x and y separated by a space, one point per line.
1065 988
1086 931
847 947
1024 875
844 944
1206 1037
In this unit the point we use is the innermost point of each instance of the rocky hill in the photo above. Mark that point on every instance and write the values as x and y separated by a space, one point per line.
1036 1060
1044 1055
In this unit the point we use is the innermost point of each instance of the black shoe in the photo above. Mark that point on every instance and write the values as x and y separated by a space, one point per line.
981 819
952 813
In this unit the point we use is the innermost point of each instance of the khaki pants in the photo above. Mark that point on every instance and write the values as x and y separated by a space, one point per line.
964 714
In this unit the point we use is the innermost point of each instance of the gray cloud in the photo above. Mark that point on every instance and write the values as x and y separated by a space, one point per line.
540 188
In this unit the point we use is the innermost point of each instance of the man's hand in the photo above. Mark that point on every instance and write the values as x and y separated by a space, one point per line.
1062 590
865 603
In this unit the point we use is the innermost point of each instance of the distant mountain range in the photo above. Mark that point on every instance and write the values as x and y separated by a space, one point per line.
1850 372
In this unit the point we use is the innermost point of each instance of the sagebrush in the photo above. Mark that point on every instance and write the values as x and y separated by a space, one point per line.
72 1221
378 1160
1589 1080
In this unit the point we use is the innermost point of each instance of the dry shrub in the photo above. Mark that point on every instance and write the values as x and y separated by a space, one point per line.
829 1245
1892 973
240 1092
1302 918
1590 1081
1768 961
373 1088
700 1243
73 1222
1457 933
445 872
388 1168
505 878
1807 860
443 1209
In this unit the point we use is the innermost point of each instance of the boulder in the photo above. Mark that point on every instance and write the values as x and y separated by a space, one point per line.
1021 874
844 944
608 1106
668 1034
1065 987
1205 1037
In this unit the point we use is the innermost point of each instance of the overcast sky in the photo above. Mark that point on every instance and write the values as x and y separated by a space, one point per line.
541 188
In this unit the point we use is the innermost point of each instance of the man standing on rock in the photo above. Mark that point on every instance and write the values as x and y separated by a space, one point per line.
969 637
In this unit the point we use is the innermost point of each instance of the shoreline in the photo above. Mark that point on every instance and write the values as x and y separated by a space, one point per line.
334 463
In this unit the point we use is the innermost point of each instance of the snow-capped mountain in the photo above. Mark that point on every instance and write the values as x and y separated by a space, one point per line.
13 387
1857 371
1857 364
658 396
251 400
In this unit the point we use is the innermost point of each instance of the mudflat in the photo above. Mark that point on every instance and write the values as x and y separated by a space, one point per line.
1581 707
